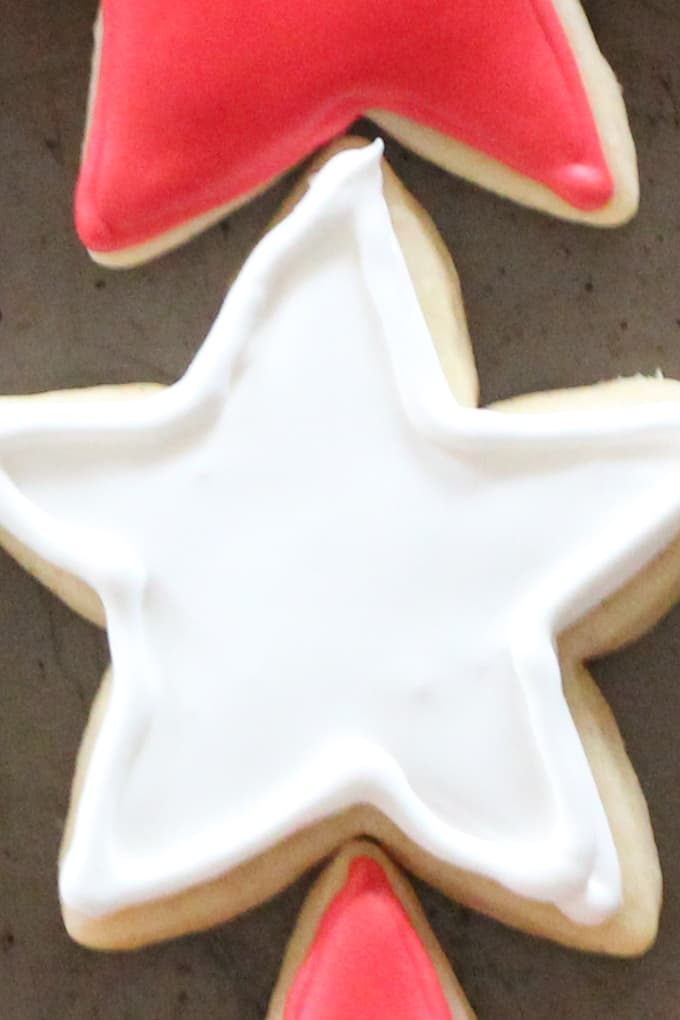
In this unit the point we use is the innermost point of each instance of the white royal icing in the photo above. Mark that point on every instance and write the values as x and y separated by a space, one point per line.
326 582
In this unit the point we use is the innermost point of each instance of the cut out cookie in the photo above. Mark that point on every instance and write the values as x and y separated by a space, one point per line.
196 107
363 950
342 601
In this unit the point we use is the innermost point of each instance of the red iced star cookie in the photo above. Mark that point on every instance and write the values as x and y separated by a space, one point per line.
197 106
362 950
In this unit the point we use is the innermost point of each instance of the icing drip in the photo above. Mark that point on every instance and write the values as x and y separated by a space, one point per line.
366 961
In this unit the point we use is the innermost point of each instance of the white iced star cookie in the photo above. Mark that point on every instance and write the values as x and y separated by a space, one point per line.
333 592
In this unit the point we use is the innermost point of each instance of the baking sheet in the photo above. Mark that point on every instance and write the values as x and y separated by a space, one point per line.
549 305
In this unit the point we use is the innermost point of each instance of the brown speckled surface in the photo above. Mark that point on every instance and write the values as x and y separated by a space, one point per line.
549 305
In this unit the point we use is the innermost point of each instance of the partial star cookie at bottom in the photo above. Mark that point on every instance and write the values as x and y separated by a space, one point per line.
362 950
340 600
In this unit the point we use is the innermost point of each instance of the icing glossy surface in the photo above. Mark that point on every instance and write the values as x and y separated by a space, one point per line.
366 961
308 518
200 103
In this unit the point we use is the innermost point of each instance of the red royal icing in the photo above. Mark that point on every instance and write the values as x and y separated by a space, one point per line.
200 102
366 961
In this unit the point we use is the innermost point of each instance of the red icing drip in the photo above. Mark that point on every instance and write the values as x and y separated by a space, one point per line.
367 961
200 102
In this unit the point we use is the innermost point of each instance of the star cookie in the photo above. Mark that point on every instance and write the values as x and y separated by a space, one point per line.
342 600
196 107
362 950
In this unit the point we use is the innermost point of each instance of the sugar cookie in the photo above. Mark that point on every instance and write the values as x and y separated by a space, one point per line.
363 950
196 107
342 600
